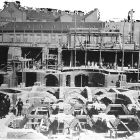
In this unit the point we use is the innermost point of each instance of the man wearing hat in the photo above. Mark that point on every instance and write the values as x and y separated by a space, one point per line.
19 107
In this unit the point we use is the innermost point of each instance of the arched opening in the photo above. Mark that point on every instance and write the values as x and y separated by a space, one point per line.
51 80
81 80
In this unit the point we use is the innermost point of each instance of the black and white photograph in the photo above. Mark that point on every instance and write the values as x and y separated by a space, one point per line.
69 70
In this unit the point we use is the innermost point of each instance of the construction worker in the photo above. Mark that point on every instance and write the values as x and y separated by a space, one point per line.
7 104
19 107
133 110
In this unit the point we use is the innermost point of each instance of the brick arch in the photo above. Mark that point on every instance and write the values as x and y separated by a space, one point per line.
52 80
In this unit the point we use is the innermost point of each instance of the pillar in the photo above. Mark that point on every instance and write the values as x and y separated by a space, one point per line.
44 53
59 56
72 80
71 58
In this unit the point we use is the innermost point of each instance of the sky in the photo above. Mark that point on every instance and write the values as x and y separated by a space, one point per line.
109 9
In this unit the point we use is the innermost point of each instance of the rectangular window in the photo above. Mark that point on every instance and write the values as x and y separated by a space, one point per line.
6 38
53 39
18 38
25 39
0 37
59 38
11 38
31 38
44 37
38 38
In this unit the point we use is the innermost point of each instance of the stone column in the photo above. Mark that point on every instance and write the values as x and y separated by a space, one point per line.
72 80
59 57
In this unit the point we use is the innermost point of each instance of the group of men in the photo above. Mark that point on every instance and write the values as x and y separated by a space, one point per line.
4 105
17 105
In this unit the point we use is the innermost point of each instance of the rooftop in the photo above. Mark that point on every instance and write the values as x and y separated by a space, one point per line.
41 15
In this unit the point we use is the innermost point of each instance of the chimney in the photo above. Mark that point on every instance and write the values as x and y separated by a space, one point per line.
63 13
18 3
6 4
81 13
67 12
54 11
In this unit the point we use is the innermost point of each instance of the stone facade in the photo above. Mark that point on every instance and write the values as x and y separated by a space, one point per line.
92 16
13 12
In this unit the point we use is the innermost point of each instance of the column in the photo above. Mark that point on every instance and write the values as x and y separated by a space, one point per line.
59 57
72 80
71 58
44 53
